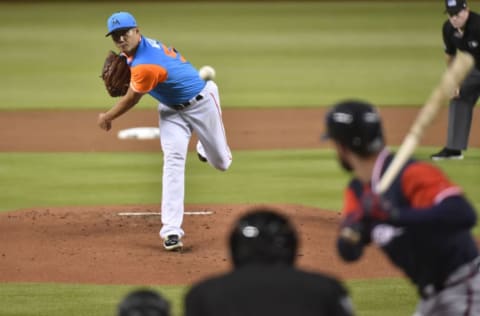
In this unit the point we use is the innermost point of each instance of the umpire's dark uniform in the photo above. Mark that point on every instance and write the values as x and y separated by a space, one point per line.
260 290
461 107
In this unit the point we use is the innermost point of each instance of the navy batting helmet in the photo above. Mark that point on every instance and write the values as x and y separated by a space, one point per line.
356 125
144 302
263 236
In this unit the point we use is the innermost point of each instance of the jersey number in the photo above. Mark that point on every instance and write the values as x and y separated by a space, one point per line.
171 52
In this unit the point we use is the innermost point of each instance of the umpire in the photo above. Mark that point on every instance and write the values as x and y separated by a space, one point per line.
263 246
461 32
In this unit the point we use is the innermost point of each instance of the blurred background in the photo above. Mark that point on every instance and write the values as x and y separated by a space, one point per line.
267 54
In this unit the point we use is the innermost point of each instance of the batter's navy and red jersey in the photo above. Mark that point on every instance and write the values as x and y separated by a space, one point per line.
426 248
163 73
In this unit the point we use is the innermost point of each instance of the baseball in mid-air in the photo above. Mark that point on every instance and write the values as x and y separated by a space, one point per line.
207 73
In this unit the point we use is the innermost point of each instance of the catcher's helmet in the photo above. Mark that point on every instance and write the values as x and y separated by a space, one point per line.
356 125
144 302
263 236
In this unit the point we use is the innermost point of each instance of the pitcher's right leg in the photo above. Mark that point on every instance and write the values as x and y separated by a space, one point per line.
174 138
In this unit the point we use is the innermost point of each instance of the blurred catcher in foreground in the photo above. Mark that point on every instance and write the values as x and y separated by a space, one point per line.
422 222
144 302
264 281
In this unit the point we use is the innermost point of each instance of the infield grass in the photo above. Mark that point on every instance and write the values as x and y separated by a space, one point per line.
392 297
309 177
265 54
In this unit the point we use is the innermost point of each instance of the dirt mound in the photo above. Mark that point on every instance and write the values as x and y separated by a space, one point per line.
97 245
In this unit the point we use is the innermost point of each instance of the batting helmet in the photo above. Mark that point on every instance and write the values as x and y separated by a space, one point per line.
144 302
263 236
356 125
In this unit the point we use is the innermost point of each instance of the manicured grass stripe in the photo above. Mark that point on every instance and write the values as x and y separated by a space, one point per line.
40 299
50 179
265 54
310 177
379 297
393 297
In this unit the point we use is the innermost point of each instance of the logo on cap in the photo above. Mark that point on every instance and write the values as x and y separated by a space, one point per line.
371 117
120 20
250 231
341 117
451 3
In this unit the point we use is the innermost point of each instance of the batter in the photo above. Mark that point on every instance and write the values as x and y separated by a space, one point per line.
422 222
187 104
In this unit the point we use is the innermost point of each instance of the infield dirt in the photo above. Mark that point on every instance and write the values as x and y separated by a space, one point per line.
96 245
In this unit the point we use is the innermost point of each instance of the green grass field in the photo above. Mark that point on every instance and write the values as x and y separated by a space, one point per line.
77 179
267 55
277 54
392 297
257 176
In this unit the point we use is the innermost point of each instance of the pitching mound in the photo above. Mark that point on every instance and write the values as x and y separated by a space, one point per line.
97 245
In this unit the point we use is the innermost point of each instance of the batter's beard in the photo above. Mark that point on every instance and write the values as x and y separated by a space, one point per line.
345 164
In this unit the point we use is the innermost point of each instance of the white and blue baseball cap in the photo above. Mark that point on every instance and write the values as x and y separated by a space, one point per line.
120 21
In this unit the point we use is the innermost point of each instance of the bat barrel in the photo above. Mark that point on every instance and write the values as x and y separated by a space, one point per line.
450 81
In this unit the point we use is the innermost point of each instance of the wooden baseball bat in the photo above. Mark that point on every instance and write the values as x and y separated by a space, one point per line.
451 80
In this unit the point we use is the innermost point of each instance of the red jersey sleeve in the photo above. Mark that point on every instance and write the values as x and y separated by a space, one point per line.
350 202
425 185
145 77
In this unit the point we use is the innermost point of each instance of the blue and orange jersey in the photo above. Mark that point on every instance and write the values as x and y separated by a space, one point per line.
163 73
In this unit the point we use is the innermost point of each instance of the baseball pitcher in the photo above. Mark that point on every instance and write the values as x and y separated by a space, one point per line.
187 104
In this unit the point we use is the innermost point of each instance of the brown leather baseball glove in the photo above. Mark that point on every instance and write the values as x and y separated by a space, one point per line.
116 74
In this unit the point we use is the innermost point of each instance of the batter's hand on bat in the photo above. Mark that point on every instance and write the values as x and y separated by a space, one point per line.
103 122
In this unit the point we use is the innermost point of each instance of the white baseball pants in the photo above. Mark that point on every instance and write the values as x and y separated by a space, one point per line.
204 117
